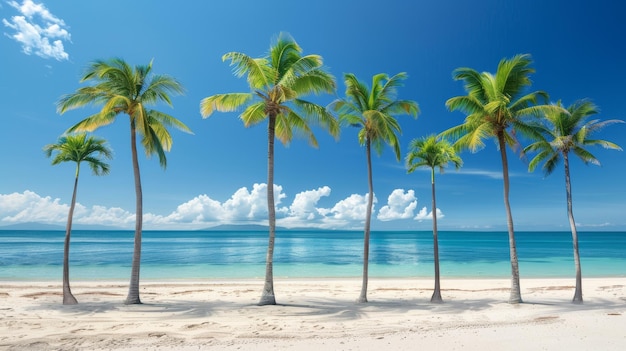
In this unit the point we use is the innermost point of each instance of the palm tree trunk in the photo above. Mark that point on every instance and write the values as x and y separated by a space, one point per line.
368 220
516 295
133 290
437 292
68 298
267 297
578 292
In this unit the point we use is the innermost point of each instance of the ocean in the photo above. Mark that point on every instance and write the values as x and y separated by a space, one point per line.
106 255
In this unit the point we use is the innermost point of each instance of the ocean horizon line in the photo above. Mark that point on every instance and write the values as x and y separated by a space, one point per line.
259 227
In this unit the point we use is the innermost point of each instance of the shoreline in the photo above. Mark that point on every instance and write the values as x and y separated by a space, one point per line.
313 314
11 280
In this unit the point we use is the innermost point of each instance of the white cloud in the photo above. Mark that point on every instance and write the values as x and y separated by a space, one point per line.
244 206
486 173
424 214
113 216
351 208
38 31
304 205
400 205
30 207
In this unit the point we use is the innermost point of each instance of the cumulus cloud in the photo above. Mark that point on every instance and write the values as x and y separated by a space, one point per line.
400 205
38 31
246 205
243 206
424 214
305 203
30 207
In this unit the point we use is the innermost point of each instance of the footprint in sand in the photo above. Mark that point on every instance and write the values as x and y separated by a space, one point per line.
197 326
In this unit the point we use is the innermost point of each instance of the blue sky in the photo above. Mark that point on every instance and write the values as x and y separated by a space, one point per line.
218 174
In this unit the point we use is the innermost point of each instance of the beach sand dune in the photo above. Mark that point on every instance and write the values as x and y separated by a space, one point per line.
315 314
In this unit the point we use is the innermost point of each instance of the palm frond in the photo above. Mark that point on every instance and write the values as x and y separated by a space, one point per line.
314 81
285 126
299 68
473 138
253 114
169 121
160 88
376 97
284 52
598 125
389 89
527 100
93 122
473 82
585 155
223 103
552 159
467 104
356 92
319 116
258 69
408 107
512 75
152 143
605 144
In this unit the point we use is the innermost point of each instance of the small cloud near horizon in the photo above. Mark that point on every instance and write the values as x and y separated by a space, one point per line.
38 30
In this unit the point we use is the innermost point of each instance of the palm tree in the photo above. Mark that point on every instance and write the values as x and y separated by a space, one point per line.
565 131
277 83
373 110
433 153
496 108
122 89
77 148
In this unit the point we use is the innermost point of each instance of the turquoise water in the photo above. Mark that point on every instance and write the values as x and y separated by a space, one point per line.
95 255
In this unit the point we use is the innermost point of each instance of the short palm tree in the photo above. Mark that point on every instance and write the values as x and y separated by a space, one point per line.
497 107
278 82
565 131
77 148
373 111
122 89
433 153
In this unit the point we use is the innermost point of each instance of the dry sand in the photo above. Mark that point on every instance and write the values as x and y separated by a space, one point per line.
315 314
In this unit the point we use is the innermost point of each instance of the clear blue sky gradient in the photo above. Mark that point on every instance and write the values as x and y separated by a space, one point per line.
218 174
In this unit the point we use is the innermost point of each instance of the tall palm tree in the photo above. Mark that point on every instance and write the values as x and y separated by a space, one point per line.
277 83
497 106
373 111
433 153
122 89
565 131
77 148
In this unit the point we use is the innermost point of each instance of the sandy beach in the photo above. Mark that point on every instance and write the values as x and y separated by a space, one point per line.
315 314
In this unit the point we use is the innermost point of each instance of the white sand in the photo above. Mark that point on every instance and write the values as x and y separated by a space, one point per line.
316 314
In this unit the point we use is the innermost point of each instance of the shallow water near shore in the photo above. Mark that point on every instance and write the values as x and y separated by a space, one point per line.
95 255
